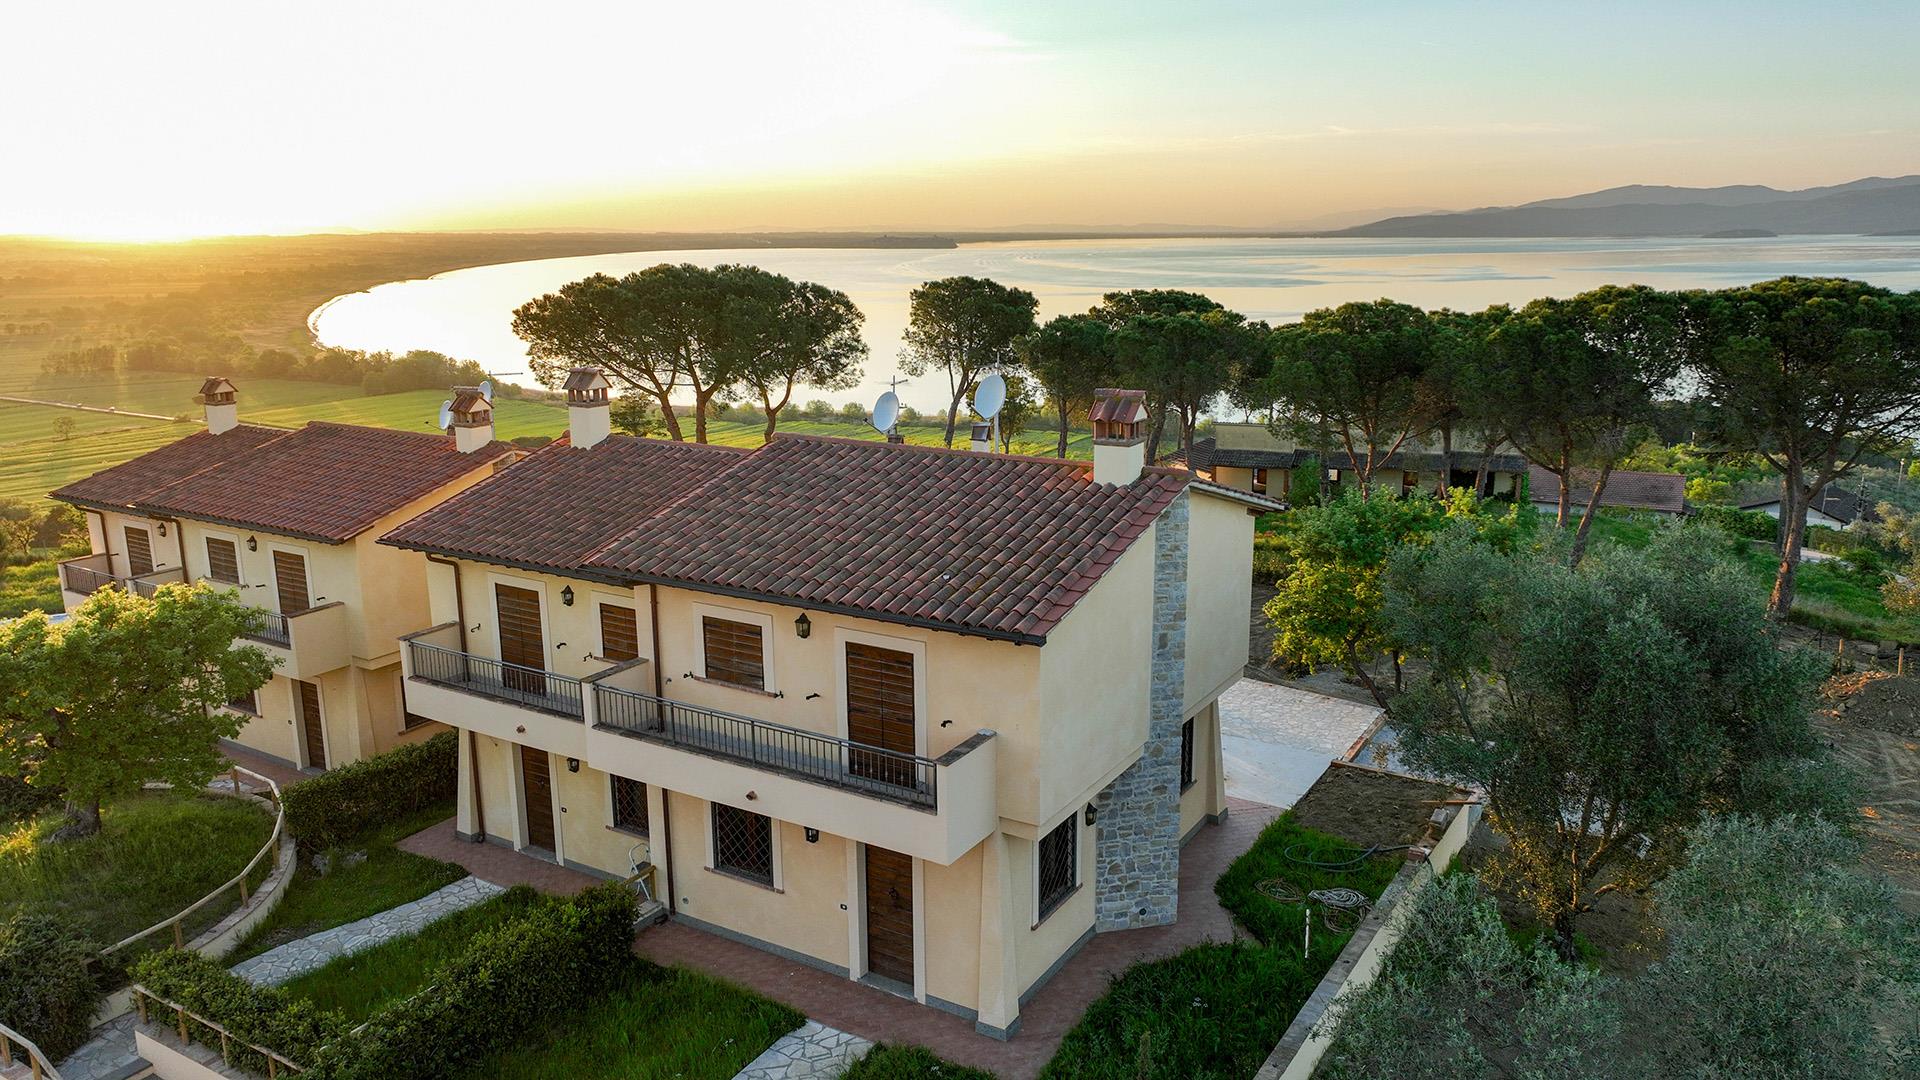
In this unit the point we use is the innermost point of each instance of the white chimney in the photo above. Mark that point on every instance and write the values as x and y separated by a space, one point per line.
983 437
1119 435
217 395
472 419
589 416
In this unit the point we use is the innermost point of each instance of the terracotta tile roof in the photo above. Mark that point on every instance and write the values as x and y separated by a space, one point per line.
1663 492
326 482
558 506
987 544
127 483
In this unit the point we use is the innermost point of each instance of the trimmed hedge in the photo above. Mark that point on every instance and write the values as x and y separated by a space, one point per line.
263 1015
47 990
339 806
510 979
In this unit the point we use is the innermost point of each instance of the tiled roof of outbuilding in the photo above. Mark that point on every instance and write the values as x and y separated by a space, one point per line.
325 482
557 507
125 484
980 543
1662 492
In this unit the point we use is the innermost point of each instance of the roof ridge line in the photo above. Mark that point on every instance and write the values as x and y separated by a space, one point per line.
915 447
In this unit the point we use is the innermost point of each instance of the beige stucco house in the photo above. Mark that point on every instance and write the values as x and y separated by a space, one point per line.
289 521
1252 457
926 719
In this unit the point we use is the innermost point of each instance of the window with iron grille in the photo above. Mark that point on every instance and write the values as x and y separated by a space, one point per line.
733 653
1186 754
248 702
223 560
1059 865
743 843
629 805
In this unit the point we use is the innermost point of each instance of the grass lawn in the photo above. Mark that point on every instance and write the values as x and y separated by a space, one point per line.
389 877
656 1024
886 1062
33 586
156 853
362 984
1216 1010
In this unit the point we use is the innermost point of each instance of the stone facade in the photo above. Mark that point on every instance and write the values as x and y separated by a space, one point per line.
1137 852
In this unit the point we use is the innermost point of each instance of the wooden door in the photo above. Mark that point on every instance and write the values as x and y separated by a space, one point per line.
523 649
290 582
311 733
890 914
536 786
139 551
880 713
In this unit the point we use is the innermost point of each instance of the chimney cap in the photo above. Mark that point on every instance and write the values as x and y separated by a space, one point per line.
587 386
216 390
470 406
1118 406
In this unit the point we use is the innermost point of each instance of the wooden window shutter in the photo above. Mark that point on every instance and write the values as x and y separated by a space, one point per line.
734 653
223 560
619 633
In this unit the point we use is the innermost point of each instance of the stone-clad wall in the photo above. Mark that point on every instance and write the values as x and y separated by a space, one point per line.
1137 852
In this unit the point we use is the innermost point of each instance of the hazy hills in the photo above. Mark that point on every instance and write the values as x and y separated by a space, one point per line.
1871 205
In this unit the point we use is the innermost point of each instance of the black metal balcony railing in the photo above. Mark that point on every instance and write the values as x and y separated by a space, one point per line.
85 580
806 754
532 687
271 627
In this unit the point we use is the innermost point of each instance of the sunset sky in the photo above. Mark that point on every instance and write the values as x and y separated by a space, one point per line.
162 120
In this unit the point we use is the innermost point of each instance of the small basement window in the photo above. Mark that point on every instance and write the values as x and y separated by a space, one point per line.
743 843
1059 865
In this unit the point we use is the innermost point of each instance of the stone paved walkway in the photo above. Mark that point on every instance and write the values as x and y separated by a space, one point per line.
1277 740
812 1050
108 1055
309 953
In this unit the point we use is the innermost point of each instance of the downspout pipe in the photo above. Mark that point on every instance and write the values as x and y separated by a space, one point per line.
473 737
666 796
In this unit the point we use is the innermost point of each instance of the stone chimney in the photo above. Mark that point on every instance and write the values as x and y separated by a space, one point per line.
472 419
217 395
983 437
589 416
1119 435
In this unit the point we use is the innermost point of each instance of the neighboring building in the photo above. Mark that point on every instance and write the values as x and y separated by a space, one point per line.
288 519
1250 457
1835 508
1658 493
924 718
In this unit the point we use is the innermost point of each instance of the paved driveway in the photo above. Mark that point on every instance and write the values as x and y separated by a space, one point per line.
1276 740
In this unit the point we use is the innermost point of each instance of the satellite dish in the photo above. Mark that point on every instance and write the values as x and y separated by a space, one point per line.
486 389
446 414
990 396
886 412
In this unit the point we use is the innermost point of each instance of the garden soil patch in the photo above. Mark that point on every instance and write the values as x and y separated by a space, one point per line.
1368 807
1873 725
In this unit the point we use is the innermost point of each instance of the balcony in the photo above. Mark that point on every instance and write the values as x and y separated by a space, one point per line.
520 704
934 808
307 643
82 577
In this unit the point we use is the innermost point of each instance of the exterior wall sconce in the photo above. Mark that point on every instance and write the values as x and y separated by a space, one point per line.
566 596
1093 814
813 835
163 528
803 626
573 764
253 543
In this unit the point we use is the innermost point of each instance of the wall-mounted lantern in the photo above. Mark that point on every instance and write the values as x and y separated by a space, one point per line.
803 626
566 596
573 764
163 528
253 543
1093 814
813 835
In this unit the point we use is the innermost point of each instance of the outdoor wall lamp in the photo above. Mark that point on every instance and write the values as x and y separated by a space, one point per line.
803 625
1093 815
163 528
813 835
253 543
566 596
573 764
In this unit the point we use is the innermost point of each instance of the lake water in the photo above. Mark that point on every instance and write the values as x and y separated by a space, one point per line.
467 313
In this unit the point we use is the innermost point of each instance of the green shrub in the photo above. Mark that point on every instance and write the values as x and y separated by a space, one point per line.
885 1062
338 806
48 992
1269 558
262 1015
20 800
1214 1011
513 977
1744 524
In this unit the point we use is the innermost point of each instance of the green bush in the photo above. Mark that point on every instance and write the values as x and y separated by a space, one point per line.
1269 558
338 806
20 800
262 1015
557 959
885 1062
1745 524
49 992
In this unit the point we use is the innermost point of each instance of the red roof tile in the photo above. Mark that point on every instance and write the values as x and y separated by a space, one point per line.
561 504
1665 492
979 543
129 482
326 482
